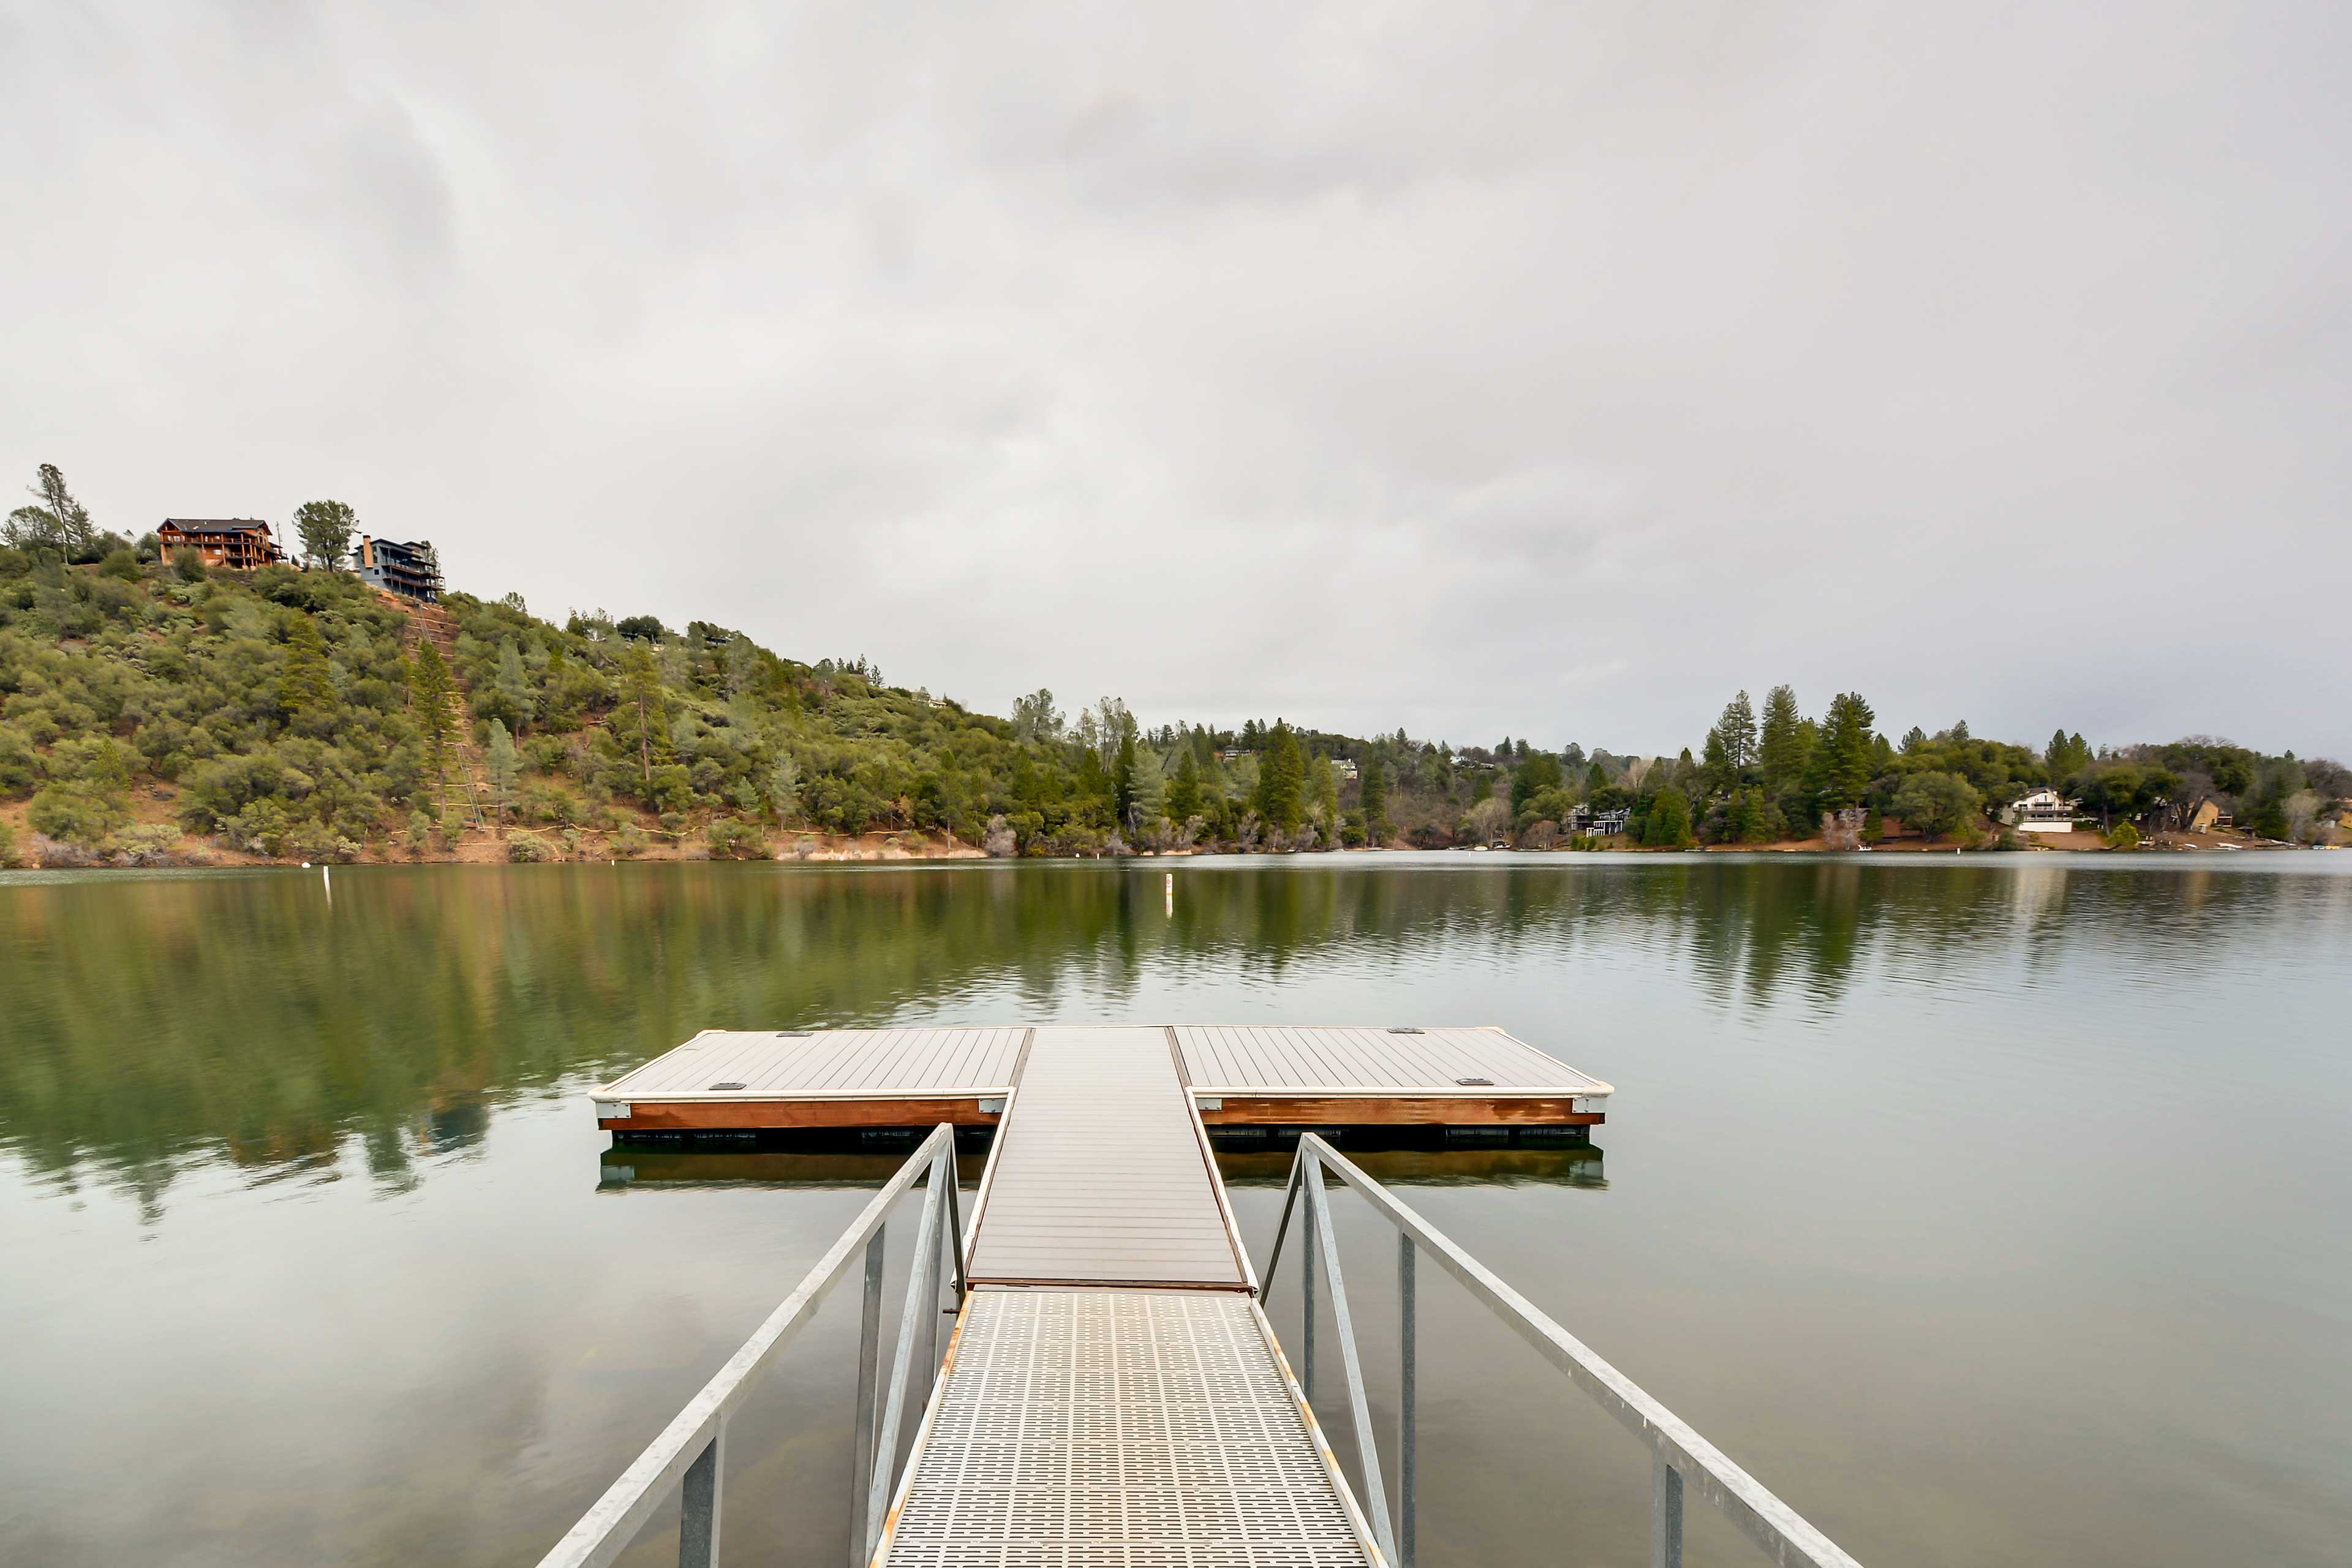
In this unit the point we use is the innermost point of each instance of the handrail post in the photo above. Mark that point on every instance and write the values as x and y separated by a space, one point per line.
1368 1452
1665 1513
1282 1227
1307 1282
1408 1314
893 1403
700 1497
928 1287
869 1354
955 1222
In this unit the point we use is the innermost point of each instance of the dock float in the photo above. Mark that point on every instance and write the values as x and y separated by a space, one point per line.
1112 1392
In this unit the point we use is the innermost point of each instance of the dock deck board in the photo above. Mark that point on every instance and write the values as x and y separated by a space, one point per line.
836 1063
1290 1059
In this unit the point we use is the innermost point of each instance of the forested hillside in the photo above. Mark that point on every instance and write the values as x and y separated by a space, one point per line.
152 711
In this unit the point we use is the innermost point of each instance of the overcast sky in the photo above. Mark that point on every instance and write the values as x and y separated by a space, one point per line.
1544 370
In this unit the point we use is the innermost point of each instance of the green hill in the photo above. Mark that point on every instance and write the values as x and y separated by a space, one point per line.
151 713
155 712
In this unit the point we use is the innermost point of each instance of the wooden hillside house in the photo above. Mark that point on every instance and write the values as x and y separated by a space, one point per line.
232 544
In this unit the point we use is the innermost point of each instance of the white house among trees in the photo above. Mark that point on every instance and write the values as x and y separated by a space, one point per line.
2044 811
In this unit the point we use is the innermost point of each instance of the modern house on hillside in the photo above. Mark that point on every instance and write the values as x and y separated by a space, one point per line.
411 570
2041 812
234 544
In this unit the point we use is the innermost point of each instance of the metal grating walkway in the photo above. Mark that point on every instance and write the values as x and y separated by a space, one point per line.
1146 1430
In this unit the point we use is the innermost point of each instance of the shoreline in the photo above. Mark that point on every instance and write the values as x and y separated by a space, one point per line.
812 848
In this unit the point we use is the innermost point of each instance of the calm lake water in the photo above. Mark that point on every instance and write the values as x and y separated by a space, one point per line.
1989 1209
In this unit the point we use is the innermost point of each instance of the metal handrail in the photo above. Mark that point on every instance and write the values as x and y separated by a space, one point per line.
691 1449
1680 1457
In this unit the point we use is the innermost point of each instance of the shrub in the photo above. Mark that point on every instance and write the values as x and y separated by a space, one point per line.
527 848
188 565
731 838
121 564
629 841
75 815
262 827
2124 837
1936 802
320 844
150 844
19 764
7 845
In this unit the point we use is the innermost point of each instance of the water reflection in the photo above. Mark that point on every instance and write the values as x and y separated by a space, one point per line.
1876 1214
242 1018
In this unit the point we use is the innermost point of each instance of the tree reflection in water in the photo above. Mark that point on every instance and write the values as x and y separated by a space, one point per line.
158 1020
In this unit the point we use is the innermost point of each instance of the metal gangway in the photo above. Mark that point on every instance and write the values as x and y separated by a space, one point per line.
1204 1354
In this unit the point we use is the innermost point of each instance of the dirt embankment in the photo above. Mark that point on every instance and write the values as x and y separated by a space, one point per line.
152 838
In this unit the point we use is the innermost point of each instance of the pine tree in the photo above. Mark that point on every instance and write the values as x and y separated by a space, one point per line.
1375 787
1323 790
1737 727
1669 826
304 689
499 761
431 691
1184 789
1781 750
1122 772
1844 760
1282 780
1717 770
514 682
646 720
784 786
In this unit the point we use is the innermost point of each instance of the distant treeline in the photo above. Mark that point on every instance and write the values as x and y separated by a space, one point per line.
300 713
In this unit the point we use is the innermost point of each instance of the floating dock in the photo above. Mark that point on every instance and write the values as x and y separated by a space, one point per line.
1113 1393
1236 1076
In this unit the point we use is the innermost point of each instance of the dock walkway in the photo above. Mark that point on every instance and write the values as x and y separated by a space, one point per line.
1103 1178
1113 1393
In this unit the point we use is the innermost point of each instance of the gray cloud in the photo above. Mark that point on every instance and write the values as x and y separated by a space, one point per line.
1482 370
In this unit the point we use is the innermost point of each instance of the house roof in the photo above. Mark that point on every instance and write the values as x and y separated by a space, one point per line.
216 524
